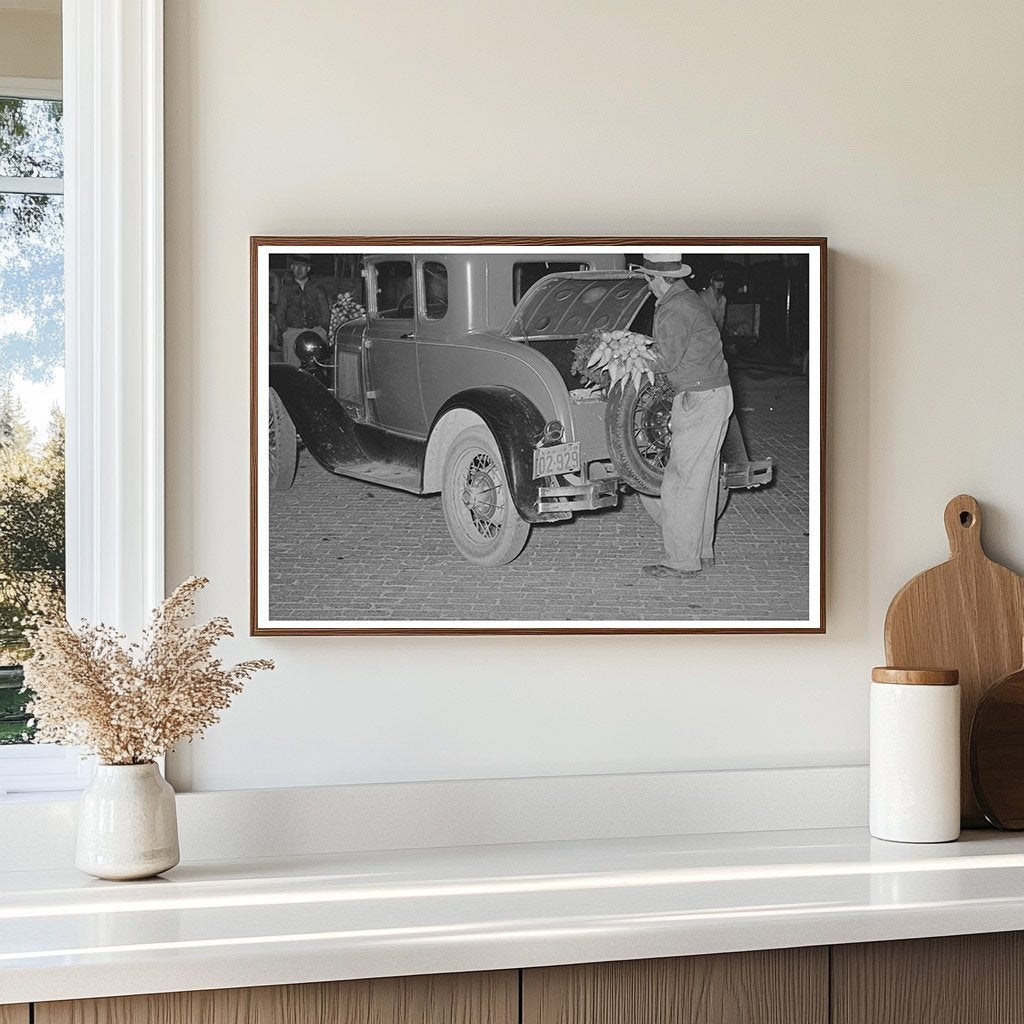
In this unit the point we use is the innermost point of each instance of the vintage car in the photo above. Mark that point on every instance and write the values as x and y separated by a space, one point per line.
459 380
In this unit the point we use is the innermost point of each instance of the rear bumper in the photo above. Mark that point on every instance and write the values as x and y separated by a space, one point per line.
748 475
564 501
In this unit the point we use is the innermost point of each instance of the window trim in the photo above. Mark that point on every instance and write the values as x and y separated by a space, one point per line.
421 284
32 88
114 345
43 768
113 167
30 186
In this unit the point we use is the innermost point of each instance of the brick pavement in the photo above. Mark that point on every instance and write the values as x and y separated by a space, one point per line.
345 550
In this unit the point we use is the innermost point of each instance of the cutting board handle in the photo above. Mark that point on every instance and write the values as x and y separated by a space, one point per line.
963 526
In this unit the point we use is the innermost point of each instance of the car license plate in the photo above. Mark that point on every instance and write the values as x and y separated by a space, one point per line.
558 459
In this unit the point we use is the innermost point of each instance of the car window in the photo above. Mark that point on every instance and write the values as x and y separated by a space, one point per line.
435 291
526 275
393 298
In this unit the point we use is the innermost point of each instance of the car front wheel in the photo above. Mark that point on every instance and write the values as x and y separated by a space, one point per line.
478 507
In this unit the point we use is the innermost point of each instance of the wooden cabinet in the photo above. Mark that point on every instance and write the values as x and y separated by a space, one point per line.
777 986
967 979
962 979
491 998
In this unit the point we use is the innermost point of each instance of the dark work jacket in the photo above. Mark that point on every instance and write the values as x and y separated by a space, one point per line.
687 343
302 307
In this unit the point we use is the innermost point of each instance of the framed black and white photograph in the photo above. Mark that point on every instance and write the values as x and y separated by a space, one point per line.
537 435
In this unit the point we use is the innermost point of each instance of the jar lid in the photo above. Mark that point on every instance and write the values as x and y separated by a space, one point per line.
916 676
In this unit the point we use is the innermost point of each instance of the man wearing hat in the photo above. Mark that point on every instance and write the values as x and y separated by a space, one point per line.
714 298
302 303
689 352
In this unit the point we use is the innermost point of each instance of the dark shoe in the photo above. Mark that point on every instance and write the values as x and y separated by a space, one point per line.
666 572
707 563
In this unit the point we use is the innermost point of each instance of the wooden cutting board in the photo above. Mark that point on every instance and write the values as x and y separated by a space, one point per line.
967 614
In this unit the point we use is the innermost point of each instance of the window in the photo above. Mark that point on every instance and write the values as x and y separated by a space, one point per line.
113 331
435 290
393 298
32 563
526 275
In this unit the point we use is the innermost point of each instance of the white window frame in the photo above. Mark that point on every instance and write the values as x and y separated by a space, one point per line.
114 344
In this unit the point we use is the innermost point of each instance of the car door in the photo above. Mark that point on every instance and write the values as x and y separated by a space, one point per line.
392 359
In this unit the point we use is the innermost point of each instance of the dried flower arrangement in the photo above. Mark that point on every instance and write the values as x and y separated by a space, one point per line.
609 358
130 703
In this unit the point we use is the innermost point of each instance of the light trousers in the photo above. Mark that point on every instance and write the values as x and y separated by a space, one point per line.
688 505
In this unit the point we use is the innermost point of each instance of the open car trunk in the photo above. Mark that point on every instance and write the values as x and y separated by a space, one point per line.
562 308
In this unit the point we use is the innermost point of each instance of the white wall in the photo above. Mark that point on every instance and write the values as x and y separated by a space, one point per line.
895 129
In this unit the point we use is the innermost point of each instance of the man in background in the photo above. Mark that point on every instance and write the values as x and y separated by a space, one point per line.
302 304
714 298
688 346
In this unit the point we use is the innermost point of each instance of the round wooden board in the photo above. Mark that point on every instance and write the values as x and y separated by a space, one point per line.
997 752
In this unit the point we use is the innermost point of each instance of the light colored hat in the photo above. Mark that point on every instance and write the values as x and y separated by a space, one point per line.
665 264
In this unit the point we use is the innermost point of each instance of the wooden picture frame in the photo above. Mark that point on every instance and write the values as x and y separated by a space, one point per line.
458 380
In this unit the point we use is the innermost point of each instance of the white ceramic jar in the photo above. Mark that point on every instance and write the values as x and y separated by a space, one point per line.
915 755
127 823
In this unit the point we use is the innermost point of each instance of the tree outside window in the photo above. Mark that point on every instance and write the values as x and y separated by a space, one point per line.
31 386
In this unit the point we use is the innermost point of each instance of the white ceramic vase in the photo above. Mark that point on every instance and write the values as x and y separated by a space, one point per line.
127 825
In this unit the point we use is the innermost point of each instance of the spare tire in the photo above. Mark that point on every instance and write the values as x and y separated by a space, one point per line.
638 426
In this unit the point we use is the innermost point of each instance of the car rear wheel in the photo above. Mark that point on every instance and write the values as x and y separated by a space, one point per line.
478 507
282 446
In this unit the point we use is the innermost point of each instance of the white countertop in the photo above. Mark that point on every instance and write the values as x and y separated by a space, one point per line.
225 924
